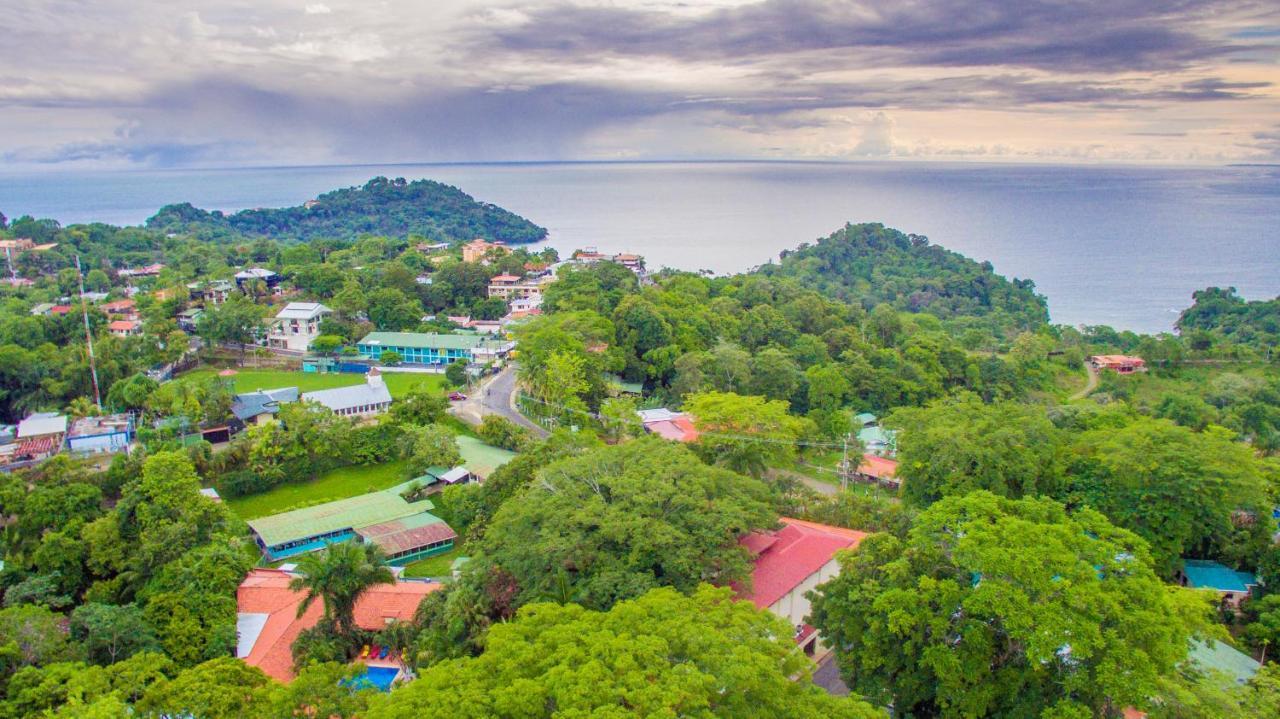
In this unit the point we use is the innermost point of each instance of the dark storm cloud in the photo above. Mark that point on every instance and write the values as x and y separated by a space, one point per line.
1090 35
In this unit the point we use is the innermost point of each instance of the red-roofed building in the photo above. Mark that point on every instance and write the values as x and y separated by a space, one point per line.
791 561
678 429
124 328
267 616
60 310
127 308
879 469
1120 364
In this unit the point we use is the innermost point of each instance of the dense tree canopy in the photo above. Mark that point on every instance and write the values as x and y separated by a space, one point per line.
1178 489
955 446
620 520
1001 607
661 654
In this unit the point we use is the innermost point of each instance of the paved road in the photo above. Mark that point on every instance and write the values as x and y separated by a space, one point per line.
495 395
827 676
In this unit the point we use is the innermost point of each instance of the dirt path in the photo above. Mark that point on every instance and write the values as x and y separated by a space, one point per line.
817 486
1089 386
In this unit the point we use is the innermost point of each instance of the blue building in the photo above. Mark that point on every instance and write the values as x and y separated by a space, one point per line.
110 433
433 349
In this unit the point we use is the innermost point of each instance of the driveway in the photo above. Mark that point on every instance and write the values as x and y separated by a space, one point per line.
496 394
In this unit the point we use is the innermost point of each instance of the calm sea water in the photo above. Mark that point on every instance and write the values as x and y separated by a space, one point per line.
1118 246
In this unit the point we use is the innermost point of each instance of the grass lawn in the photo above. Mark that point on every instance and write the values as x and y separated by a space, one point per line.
248 380
338 484
1146 389
437 566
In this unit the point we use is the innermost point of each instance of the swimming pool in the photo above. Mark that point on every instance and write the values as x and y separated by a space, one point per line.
380 677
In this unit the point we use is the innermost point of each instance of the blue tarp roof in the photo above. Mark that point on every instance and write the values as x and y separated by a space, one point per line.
1205 574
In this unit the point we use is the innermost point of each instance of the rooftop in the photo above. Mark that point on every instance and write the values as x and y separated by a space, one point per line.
481 459
1224 658
302 311
254 272
42 423
680 429
267 620
107 424
252 404
878 467
1206 574
423 340
661 414
788 556
400 535
359 511
356 395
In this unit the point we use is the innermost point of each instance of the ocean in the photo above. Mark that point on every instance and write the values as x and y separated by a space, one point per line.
1123 246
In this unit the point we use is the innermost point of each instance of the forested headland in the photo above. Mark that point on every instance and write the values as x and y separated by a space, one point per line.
380 207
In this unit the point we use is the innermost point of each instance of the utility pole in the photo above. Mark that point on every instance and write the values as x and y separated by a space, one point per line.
844 465
88 337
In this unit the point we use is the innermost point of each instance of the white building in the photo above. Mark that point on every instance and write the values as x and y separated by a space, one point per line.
361 400
297 325
43 424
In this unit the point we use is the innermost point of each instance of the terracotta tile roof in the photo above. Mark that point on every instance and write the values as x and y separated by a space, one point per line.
678 429
60 310
123 325
38 446
878 467
266 592
119 305
796 551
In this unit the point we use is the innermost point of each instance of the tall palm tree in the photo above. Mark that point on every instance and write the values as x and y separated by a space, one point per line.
338 575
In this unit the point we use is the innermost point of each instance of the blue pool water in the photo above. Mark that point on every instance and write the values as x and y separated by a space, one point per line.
380 677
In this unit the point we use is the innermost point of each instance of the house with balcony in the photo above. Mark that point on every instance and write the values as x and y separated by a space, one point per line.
297 325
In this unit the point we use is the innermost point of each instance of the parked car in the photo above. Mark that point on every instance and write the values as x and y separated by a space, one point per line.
457 397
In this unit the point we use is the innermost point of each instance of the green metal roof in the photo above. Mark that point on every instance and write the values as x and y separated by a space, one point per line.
350 513
624 386
480 458
1222 657
1207 574
423 340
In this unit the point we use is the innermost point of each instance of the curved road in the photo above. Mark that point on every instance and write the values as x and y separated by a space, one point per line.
495 395
1090 385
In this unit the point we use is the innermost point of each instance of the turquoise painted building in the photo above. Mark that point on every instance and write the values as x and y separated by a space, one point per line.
433 349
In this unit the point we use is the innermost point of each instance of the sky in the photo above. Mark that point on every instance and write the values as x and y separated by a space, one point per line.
173 83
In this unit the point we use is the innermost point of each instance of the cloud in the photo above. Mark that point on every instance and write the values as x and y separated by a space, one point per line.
877 138
351 81
1111 35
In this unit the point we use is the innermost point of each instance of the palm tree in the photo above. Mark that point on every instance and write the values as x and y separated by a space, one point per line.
82 407
338 575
